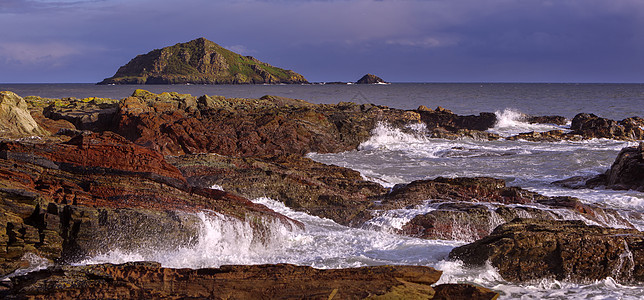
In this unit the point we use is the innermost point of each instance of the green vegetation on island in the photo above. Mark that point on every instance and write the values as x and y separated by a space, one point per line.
199 61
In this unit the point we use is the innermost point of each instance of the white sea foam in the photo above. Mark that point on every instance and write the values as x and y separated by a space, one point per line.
395 219
217 187
512 122
218 242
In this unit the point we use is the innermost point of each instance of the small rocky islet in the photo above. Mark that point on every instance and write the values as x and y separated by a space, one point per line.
78 176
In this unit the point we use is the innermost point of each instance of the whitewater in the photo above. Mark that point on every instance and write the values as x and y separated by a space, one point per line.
392 156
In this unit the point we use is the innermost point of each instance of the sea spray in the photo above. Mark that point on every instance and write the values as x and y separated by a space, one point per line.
512 122
221 240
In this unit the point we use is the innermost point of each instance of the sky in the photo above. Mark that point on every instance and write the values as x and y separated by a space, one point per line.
77 41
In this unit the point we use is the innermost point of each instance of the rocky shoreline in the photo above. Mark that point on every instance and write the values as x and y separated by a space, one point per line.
78 176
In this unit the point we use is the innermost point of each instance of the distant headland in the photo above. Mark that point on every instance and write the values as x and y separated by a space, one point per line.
199 61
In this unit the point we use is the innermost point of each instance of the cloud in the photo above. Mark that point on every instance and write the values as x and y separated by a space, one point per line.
240 49
424 42
41 53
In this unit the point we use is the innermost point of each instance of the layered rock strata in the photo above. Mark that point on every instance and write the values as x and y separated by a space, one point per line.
151 281
68 200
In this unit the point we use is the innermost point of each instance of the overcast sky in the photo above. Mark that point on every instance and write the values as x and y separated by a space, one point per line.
335 40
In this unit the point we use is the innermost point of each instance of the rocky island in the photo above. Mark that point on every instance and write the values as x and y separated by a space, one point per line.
81 176
199 61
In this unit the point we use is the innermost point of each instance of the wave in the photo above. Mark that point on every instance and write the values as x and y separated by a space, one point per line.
512 122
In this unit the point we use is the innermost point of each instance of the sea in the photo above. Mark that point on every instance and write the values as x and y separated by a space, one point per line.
392 156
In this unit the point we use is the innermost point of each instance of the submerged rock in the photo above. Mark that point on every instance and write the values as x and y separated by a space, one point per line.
529 249
150 280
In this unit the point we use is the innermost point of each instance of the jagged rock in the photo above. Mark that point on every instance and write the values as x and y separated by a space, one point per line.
328 191
149 280
66 200
199 61
442 118
627 172
592 126
84 116
370 79
470 208
248 127
51 126
557 120
529 249
15 119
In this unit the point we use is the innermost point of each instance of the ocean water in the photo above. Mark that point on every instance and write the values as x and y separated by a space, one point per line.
391 156
614 101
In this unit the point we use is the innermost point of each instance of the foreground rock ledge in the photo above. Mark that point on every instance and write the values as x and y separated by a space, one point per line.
528 249
148 280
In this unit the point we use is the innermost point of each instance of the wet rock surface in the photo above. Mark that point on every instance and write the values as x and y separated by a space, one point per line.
67 200
150 280
529 249
333 192
587 126
627 172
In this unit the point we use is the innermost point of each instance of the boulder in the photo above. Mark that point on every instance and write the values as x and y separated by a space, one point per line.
529 249
627 172
15 119
442 118
557 120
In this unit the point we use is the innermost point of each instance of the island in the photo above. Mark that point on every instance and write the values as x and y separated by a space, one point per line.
200 61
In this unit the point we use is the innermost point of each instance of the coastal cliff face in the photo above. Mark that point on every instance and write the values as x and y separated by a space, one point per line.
199 61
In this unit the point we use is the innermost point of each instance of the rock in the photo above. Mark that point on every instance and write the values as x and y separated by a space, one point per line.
67 200
84 116
589 126
529 249
442 118
327 191
199 61
463 291
547 136
370 79
271 125
557 120
592 126
627 172
457 189
468 209
15 119
149 280
51 126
